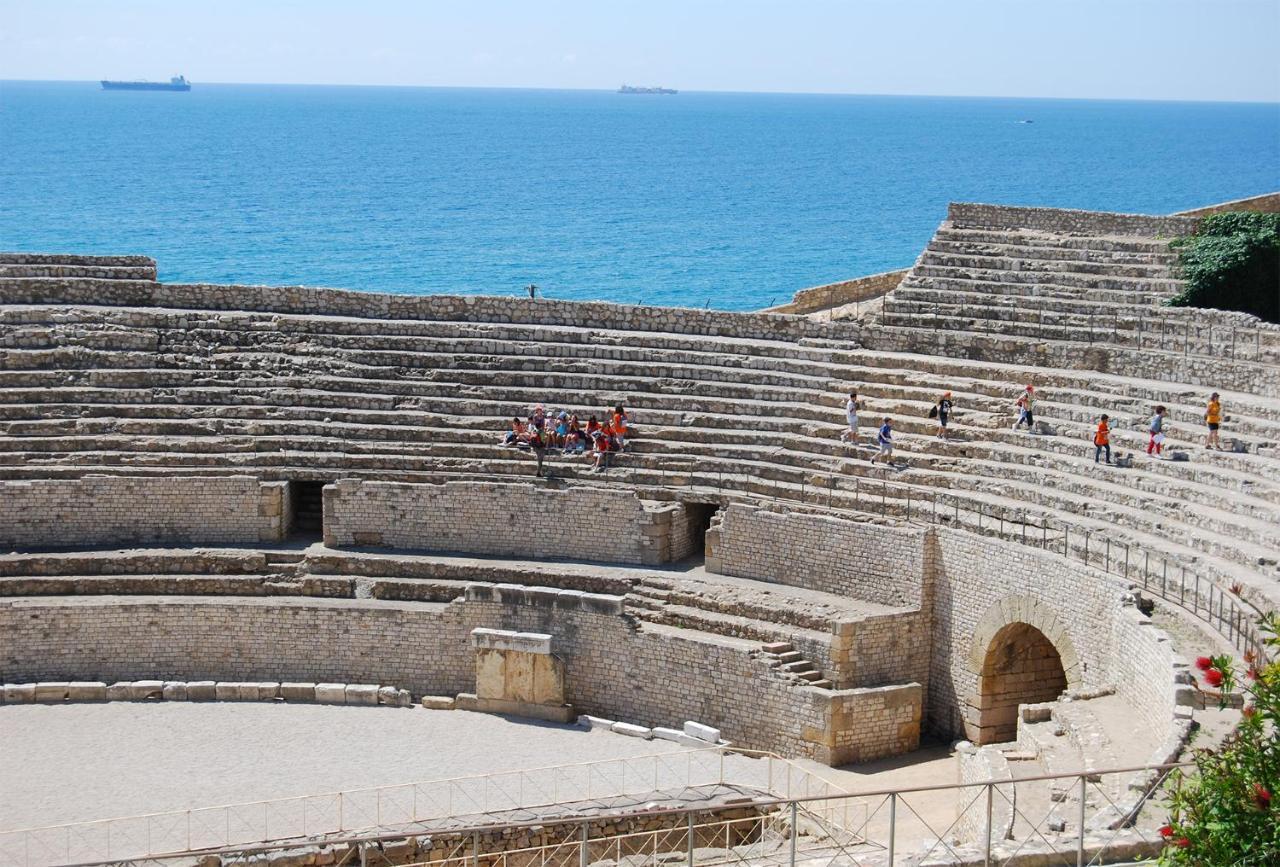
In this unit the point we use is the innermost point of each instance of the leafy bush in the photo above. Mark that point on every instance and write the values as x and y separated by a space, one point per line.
1228 812
1233 263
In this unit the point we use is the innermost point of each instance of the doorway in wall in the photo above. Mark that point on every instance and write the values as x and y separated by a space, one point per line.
699 516
307 514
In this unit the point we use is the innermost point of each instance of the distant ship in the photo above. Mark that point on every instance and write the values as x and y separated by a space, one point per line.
178 82
626 88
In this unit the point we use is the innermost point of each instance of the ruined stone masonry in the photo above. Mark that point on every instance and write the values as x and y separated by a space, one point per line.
739 565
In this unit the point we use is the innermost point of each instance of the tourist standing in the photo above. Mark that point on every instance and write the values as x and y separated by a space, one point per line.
1213 418
538 443
1102 438
1156 444
1026 404
942 411
851 407
885 439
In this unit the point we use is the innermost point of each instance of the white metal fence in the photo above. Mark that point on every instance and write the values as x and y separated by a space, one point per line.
437 803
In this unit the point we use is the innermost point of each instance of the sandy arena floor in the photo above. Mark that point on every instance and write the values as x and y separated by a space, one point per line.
78 762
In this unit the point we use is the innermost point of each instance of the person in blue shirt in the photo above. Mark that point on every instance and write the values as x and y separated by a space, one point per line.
885 438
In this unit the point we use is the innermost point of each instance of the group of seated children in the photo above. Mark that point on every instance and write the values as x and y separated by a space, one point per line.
562 430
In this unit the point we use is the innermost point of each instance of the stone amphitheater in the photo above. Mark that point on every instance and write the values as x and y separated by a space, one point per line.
293 494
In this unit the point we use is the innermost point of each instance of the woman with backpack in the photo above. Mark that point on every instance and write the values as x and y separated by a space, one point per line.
942 412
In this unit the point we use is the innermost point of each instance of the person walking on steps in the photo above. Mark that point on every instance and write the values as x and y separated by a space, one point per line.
1026 409
1102 438
885 438
851 407
942 412
1213 418
1155 446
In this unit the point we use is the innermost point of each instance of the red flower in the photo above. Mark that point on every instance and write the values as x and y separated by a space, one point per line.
1166 831
1248 712
1204 663
1214 677
1261 795
1183 843
1253 673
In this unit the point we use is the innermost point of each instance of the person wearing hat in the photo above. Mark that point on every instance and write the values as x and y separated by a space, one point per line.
943 412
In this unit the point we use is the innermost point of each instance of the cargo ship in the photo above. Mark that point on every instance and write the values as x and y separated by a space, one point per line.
626 88
178 82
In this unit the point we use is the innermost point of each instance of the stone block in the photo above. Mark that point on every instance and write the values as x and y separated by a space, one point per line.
362 693
631 730
174 690
388 695
141 690
119 691
84 690
268 690
438 702
201 690
595 722
665 734
404 698
19 693
331 693
52 692
701 732
247 691
227 691
298 691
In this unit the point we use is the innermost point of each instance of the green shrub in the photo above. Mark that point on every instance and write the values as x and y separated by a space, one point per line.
1228 812
1233 263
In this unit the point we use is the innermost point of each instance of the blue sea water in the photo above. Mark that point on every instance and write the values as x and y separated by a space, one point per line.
728 200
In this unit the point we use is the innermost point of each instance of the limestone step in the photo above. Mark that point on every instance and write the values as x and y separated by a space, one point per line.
1047 240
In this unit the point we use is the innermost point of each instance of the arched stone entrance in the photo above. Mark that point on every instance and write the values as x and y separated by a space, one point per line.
1020 655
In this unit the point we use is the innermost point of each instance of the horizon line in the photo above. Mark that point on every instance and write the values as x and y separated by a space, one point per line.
1274 102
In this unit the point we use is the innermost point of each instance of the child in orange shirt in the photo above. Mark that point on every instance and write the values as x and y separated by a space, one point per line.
1102 439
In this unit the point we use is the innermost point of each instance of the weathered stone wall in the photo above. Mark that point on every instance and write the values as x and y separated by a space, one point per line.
577 523
1268 203
454 308
612 668
968 215
982 584
72 259
835 555
844 292
112 510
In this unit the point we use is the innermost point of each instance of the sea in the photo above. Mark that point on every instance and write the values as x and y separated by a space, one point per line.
724 200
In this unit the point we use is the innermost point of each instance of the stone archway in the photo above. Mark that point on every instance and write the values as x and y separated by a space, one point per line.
1021 655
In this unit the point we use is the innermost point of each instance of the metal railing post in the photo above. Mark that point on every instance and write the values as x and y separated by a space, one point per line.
794 831
893 824
986 855
690 840
1080 828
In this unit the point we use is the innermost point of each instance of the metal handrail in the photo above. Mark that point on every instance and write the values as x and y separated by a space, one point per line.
763 802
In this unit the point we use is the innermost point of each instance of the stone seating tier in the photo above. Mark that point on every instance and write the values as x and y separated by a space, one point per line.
778 420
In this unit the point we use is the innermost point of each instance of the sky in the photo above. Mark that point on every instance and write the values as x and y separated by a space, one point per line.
1113 49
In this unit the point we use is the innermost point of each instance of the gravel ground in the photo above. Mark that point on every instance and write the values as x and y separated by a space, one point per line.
79 762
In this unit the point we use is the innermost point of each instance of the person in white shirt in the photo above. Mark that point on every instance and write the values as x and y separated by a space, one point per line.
851 408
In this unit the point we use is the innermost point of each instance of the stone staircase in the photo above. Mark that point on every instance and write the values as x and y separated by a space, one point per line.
783 658
1106 286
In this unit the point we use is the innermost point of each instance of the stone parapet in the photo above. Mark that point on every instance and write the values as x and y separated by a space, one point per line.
115 510
1066 221
583 523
